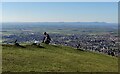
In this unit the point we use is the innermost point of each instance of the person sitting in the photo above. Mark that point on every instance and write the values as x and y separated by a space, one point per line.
46 38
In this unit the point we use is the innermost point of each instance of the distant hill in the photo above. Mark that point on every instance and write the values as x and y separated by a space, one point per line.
59 27
55 58
51 25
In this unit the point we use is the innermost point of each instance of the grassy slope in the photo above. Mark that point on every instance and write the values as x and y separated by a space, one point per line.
55 58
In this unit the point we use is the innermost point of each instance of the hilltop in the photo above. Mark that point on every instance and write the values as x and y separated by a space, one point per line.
55 58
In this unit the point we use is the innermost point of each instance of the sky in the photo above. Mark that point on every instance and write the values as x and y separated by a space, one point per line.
60 12
60 0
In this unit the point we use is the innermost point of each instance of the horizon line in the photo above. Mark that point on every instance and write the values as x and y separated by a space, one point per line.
60 22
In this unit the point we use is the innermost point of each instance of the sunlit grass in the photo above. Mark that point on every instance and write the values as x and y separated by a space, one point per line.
54 58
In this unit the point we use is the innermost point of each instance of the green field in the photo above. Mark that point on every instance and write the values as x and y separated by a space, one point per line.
54 58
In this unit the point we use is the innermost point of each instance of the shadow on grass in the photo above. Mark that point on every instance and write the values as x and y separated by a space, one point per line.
17 45
81 50
38 46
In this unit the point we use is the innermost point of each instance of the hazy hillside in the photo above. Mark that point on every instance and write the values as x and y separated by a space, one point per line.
55 58
59 27
54 25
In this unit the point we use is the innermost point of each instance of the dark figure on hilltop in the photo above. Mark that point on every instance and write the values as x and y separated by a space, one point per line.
78 46
17 44
46 38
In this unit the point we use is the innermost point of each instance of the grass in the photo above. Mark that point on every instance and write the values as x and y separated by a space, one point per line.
55 58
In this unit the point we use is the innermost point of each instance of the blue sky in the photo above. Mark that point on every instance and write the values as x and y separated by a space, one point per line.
60 0
60 12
